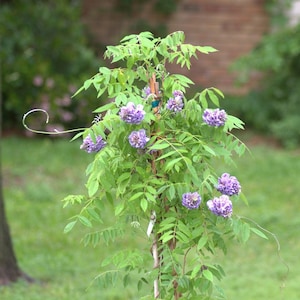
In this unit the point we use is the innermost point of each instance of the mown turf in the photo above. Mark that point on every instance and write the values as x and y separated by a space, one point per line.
39 173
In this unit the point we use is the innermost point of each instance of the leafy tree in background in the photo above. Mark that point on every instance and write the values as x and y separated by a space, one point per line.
273 106
44 57
43 50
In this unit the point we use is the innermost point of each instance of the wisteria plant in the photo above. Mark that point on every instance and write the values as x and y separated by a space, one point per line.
155 156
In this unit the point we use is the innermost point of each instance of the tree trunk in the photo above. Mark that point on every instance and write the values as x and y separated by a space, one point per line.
9 269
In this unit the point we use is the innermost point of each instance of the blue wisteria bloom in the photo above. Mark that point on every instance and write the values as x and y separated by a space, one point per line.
191 200
175 104
178 94
228 185
214 117
138 139
146 91
132 114
90 146
221 206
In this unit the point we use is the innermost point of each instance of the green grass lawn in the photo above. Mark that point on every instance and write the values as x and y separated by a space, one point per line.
39 173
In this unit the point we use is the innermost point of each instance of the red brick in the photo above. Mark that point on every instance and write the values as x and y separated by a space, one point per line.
234 27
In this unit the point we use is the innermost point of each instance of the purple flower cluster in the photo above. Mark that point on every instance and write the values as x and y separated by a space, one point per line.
214 117
175 104
191 200
228 185
146 92
138 139
90 146
220 206
132 114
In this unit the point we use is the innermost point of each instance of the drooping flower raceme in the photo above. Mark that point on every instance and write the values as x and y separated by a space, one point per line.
220 206
146 92
175 104
214 117
228 185
132 114
191 200
90 146
138 139
178 94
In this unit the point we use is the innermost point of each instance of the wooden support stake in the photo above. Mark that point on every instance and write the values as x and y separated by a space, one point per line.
154 89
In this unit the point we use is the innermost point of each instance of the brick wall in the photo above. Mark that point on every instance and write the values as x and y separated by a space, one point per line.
233 27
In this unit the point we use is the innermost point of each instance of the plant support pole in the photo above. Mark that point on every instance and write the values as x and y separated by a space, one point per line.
155 253
156 103
156 265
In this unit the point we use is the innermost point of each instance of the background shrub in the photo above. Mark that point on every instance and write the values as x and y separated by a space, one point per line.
275 106
45 57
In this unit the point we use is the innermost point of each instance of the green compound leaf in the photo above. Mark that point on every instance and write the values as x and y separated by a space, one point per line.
144 204
105 107
259 233
208 275
85 221
69 226
202 242
159 146
206 49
